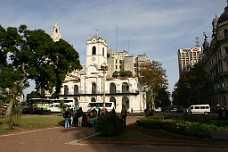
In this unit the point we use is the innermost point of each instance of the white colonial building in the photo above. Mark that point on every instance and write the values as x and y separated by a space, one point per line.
94 84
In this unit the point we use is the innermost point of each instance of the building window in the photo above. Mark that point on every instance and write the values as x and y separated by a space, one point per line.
226 51
93 99
226 33
66 90
125 87
112 88
103 52
94 88
94 50
75 89
113 99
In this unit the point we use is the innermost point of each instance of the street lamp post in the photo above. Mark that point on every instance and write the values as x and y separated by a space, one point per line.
104 68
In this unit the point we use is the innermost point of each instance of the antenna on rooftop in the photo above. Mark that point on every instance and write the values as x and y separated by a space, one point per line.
128 46
197 42
116 38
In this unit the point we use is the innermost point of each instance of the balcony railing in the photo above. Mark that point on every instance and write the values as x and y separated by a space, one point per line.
85 93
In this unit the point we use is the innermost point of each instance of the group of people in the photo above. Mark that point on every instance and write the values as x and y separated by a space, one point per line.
77 118
221 111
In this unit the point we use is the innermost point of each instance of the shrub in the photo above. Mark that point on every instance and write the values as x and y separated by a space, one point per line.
208 127
149 113
187 127
109 124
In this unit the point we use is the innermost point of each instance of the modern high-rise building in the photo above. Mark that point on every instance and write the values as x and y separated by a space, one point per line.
187 57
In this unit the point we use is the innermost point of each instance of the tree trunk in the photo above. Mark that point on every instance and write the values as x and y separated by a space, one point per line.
13 92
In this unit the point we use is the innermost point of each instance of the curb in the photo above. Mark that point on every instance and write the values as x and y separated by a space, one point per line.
85 142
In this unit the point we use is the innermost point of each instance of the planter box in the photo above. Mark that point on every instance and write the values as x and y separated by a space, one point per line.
219 135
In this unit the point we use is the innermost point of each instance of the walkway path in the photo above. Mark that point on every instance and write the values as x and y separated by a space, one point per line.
58 139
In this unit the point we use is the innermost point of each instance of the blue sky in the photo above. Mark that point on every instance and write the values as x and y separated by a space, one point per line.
157 28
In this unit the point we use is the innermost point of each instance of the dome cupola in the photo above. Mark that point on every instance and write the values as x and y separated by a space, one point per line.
224 16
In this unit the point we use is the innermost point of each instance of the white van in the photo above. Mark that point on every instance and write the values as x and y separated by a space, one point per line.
54 107
96 105
199 109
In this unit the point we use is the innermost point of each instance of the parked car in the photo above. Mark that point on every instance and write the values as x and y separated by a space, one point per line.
158 109
173 110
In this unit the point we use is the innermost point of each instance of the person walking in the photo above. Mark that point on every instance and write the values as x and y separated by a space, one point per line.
71 116
80 115
66 116
124 115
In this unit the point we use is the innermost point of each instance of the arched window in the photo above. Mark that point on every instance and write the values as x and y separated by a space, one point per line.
113 99
125 102
76 103
103 52
125 87
94 50
112 88
66 90
75 89
94 88
226 33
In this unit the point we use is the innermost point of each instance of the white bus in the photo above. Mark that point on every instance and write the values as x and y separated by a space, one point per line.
39 105
96 105
55 104
199 109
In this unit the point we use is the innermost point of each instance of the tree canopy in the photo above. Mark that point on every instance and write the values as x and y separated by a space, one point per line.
153 76
190 88
32 54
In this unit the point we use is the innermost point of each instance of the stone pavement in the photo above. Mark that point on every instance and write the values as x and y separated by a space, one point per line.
59 139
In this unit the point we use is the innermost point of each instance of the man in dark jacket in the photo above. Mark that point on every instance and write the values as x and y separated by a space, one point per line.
66 116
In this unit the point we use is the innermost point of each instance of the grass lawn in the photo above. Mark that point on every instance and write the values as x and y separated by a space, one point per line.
28 122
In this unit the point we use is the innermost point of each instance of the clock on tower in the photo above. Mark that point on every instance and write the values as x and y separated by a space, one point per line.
56 35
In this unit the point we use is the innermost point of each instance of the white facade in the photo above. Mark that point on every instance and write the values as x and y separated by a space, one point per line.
91 83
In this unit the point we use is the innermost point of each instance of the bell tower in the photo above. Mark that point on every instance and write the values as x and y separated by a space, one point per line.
56 35
96 53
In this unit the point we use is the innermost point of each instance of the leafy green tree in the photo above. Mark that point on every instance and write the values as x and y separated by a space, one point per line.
33 94
153 76
125 73
62 106
115 74
162 98
191 87
181 92
34 55
122 74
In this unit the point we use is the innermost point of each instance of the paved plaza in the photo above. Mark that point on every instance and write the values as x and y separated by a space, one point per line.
59 139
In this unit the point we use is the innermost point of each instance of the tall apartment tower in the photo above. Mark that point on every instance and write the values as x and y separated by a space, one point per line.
187 57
